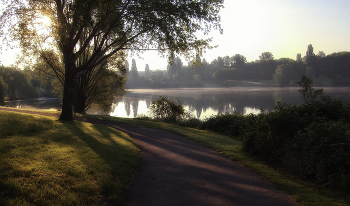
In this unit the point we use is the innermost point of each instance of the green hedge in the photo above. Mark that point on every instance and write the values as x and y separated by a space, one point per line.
311 141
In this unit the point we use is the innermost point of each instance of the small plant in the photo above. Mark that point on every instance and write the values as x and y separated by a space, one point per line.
168 109
309 94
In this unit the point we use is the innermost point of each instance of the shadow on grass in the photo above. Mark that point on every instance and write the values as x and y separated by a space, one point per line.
114 148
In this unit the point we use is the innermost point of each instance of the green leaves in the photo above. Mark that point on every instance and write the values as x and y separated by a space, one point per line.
309 94
168 109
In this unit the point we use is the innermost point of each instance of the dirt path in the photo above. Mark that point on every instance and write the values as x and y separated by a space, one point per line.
177 171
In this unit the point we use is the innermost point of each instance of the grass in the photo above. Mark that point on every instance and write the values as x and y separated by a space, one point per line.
46 162
303 192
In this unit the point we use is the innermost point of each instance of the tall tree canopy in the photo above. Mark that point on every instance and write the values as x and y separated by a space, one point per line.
107 27
147 72
134 74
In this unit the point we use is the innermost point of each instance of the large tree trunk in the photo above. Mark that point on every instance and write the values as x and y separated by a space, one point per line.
68 94
79 100
80 94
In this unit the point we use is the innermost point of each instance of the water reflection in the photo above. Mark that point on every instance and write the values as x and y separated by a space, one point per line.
204 102
37 103
201 102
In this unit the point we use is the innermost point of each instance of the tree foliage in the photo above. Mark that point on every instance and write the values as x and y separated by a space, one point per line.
134 75
3 90
283 74
107 27
147 72
96 87
174 67
168 109
227 74
18 86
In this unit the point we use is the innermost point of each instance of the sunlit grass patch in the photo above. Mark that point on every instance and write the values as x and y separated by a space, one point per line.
64 163
13 124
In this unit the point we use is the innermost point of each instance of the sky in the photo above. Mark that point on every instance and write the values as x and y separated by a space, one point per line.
251 27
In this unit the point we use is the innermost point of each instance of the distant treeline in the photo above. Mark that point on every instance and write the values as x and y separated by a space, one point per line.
334 69
17 84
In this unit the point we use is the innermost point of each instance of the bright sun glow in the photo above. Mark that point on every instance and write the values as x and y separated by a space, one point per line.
45 21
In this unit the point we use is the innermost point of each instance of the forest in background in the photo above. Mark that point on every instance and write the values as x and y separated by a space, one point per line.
324 70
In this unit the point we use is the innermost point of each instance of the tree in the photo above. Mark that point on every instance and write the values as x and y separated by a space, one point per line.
220 63
227 61
283 74
174 67
147 72
98 87
108 27
321 54
134 74
267 65
299 59
18 86
266 56
309 72
3 90
227 74
197 78
127 68
309 94
95 87
168 109
239 61
310 51
310 59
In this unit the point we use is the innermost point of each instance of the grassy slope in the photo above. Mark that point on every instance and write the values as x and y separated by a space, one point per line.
46 162
305 193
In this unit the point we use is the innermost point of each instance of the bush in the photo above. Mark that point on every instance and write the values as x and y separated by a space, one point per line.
192 122
228 124
311 141
321 152
168 109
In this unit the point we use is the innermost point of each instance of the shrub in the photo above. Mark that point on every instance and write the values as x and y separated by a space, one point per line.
191 122
228 124
311 141
321 152
168 109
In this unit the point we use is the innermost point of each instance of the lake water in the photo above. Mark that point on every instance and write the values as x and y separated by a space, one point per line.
200 102
204 102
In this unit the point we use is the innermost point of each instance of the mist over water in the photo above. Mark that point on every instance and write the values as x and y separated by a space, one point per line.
204 102
200 102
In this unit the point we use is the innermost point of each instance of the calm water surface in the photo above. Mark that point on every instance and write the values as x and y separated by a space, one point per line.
204 102
200 102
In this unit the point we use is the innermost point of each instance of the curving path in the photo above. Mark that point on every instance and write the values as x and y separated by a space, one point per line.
177 171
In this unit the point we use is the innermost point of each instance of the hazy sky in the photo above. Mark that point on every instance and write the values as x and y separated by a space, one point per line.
282 27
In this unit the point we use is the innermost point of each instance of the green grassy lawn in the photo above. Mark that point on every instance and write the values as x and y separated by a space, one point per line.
47 162
303 192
